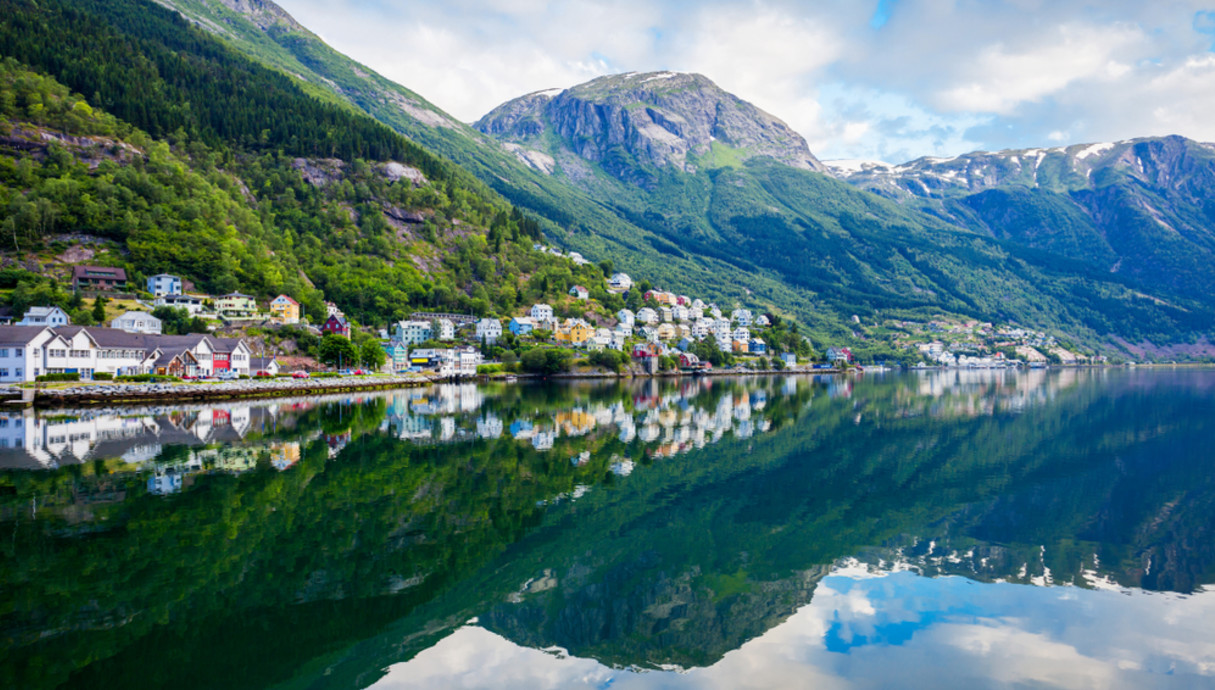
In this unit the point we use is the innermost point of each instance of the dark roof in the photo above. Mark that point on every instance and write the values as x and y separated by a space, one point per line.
98 272
19 335
259 363
225 344
167 355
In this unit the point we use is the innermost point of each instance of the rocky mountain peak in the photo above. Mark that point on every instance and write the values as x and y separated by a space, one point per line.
655 119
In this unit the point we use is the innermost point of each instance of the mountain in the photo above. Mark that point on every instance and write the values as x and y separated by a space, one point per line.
673 179
662 119
1141 208
233 176
707 174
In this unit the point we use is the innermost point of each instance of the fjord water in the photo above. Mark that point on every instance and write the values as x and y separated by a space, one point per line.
937 529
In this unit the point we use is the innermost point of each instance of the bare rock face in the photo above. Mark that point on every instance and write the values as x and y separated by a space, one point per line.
263 13
657 119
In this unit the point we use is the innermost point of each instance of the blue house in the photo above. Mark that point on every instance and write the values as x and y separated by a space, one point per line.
757 346
789 358
164 284
521 325
685 344
398 354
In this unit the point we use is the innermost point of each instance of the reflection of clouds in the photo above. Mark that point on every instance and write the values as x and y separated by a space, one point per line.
894 630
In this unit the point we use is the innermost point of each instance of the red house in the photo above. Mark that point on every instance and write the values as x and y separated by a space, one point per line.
646 350
336 324
97 278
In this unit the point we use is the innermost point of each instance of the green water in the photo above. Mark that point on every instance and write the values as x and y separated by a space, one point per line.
943 529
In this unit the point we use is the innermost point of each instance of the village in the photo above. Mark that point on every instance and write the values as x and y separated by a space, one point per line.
666 332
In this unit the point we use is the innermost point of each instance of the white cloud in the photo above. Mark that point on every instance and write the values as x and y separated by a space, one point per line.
1000 79
938 78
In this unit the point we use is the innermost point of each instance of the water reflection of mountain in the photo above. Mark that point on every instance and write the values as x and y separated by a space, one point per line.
669 549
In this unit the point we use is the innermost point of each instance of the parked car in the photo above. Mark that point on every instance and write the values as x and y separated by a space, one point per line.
227 375
300 375
263 374
361 372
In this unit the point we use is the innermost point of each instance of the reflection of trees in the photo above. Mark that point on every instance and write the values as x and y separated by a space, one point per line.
255 576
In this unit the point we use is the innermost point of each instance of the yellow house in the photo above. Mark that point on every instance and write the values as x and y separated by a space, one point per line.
666 331
575 333
285 310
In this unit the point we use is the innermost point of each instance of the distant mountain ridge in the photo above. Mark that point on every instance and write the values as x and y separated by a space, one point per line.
1143 207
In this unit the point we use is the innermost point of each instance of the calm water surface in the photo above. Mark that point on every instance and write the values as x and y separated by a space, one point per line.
943 529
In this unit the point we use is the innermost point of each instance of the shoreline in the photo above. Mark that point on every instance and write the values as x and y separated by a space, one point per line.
125 394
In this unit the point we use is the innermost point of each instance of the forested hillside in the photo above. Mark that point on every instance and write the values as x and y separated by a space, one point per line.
189 158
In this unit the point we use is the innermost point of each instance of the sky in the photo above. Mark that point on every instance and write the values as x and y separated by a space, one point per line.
884 80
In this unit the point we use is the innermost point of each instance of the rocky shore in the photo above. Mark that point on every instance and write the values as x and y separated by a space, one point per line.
106 394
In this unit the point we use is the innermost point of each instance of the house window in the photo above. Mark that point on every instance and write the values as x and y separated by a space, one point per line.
18 352
80 353
3 422
19 373
58 353
3 373
3 352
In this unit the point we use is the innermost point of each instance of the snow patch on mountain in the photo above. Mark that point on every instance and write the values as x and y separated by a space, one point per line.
1093 150
844 167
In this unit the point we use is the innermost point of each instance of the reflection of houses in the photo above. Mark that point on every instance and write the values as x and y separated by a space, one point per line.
575 422
284 455
544 440
489 426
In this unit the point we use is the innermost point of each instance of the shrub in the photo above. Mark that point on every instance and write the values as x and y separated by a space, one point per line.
102 376
58 377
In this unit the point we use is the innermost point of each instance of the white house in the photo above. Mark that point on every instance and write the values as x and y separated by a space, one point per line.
580 292
742 316
701 328
762 320
164 284
45 316
137 322
21 351
468 359
666 313
742 334
626 317
542 313
620 282
490 330
681 313
121 353
647 316
193 304
447 329
71 350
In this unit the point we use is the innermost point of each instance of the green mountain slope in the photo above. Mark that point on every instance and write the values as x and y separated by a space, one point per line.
234 176
702 192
